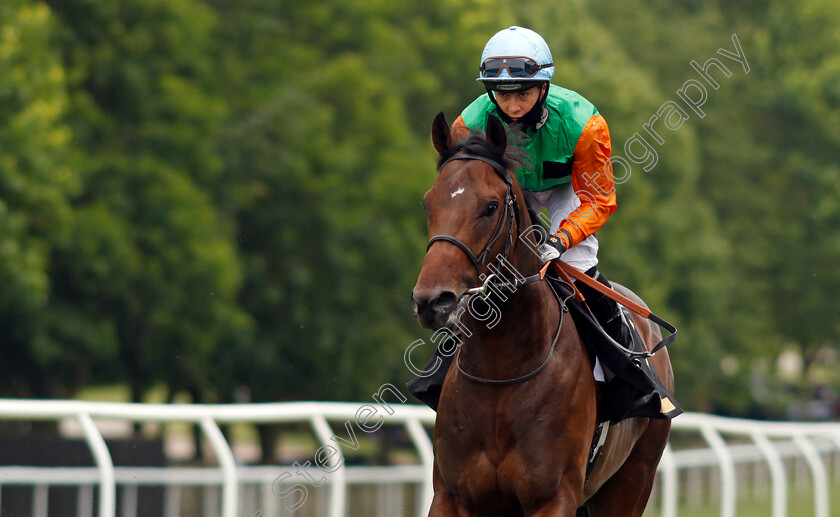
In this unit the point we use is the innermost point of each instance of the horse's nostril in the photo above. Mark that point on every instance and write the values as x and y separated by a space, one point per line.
445 302
432 307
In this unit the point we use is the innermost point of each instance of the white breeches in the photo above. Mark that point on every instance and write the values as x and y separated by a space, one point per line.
560 202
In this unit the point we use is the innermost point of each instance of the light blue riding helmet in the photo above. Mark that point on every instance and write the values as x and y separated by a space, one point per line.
499 72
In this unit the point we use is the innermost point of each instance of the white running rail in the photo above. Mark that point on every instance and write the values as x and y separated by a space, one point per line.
209 417
772 442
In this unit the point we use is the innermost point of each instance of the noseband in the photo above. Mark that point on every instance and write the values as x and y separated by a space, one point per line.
511 212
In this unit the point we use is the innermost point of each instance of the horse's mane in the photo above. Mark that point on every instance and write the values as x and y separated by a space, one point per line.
512 157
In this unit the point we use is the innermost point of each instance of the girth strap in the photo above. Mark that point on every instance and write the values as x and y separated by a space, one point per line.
597 447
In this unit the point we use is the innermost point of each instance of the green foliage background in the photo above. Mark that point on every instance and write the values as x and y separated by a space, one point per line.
210 195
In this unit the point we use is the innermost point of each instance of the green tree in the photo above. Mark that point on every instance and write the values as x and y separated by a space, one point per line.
323 176
797 115
767 152
35 213
214 194
150 264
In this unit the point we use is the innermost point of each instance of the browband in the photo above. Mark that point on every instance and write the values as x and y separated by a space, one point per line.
498 167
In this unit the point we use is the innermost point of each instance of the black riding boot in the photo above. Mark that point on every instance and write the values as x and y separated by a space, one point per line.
607 311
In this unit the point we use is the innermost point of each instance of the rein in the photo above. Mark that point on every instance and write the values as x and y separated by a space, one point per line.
564 269
502 382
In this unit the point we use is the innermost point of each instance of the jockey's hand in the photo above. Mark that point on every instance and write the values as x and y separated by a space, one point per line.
552 248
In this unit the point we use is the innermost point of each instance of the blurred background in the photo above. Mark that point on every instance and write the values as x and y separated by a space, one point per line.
218 201
222 199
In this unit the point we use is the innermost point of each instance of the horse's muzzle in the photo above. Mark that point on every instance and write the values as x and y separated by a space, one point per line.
434 309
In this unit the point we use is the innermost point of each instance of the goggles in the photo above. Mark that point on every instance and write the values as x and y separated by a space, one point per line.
517 66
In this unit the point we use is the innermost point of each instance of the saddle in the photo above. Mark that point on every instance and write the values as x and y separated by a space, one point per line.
633 388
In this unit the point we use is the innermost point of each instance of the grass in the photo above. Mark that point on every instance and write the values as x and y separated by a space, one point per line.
800 504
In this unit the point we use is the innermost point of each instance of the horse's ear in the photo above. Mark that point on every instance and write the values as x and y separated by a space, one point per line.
496 132
441 136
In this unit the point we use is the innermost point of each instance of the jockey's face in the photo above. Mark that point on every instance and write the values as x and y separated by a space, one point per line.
517 104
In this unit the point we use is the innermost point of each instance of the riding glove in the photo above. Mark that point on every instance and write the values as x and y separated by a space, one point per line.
556 243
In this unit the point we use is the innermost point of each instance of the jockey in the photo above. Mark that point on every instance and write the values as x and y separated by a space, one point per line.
568 144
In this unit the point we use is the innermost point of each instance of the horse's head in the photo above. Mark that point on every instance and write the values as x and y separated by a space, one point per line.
476 216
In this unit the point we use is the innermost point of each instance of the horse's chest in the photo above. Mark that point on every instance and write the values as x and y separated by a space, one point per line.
497 456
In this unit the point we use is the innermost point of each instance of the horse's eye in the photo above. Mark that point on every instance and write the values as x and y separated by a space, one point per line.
491 209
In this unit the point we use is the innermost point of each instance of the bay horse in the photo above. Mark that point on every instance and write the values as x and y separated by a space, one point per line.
517 448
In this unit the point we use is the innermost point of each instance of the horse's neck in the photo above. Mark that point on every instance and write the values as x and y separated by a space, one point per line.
526 311
526 324
521 335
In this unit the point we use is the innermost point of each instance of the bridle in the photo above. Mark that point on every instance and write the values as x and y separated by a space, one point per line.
510 212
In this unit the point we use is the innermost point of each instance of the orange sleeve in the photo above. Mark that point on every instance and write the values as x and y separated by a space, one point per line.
459 129
593 185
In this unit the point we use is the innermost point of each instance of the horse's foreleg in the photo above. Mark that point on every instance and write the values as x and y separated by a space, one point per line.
555 511
444 505
564 504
